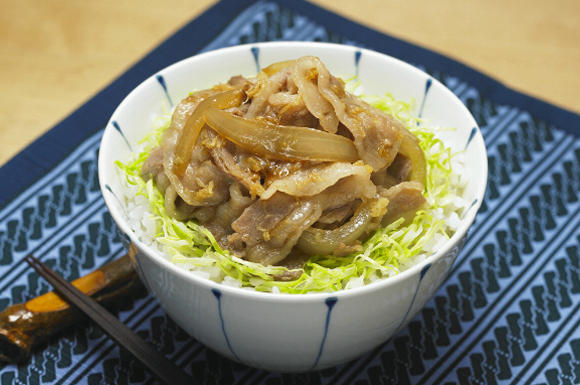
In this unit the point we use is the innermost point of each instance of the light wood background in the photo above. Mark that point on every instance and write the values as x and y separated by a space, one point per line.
56 54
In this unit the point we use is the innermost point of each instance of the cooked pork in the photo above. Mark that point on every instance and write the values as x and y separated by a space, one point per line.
286 165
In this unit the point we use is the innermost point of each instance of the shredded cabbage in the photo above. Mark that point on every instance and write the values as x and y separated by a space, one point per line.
387 252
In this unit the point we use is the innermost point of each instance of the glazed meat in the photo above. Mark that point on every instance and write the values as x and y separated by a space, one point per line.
286 165
268 230
377 136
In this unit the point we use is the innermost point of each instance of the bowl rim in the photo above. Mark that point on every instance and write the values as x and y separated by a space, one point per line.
384 283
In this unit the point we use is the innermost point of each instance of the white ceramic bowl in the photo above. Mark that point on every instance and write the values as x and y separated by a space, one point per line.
282 332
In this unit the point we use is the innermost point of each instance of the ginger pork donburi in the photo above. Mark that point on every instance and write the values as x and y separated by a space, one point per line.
287 165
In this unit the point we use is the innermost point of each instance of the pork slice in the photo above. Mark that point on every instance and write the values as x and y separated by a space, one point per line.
207 179
267 230
397 172
238 110
405 199
261 92
401 168
238 81
284 98
220 224
376 135
305 77
178 209
202 183
338 215
153 168
225 159
175 206
290 110
315 178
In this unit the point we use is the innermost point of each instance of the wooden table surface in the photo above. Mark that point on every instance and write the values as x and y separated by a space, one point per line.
55 55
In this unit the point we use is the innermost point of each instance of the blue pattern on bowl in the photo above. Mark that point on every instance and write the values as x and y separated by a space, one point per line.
218 295
330 302
118 128
161 81
428 84
256 53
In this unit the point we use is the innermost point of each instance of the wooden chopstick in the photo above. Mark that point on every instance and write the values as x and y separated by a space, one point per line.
154 361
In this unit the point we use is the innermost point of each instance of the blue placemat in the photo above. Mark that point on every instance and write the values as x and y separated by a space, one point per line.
508 313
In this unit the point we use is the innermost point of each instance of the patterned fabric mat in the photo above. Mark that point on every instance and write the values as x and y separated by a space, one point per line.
508 313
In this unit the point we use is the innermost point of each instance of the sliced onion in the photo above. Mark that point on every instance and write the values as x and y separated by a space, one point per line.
410 148
195 122
273 68
324 242
290 143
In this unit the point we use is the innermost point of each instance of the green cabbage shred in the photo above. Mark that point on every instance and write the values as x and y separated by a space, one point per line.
383 253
